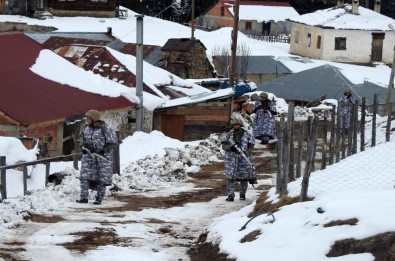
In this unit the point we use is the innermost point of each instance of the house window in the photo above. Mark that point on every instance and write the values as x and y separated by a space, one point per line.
248 26
296 37
308 40
222 11
319 42
340 43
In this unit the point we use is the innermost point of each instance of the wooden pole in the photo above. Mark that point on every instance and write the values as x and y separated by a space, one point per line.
333 132
290 122
309 161
374 120
234 45
280 139
3 178
300 149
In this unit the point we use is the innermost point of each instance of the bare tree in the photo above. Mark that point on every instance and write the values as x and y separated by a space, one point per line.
222 59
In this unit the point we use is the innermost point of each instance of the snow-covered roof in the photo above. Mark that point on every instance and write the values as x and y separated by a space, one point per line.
343 18
263 13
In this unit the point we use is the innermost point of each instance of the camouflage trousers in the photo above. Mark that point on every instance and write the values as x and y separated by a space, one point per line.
232 184
101 189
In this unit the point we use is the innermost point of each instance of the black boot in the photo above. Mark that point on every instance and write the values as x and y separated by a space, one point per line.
242 196
97 202
82 200
230 198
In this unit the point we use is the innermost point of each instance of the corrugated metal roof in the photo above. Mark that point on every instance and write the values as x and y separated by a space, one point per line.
29 99
326 80
258 64
56 42
42 37
151 53
180 44
100 61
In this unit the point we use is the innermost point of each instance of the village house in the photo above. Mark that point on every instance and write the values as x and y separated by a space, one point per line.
186 114
46 110
345 33
255 17
93 8
186 58
325 80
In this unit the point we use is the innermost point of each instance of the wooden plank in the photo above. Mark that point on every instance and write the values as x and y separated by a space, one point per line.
206 117
198 110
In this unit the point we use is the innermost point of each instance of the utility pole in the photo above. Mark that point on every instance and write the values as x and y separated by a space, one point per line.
139 72
388 98
193 20
234 44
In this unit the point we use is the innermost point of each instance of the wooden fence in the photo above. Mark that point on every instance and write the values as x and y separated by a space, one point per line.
320 142
47 161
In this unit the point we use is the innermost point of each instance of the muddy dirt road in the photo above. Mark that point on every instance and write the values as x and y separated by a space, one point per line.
146 225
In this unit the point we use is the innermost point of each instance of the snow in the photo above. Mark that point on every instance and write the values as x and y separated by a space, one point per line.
343 18
360 186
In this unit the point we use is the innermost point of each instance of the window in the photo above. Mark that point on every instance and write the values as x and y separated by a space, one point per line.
340 43
222 11
308 40
248 26
296 36
319 42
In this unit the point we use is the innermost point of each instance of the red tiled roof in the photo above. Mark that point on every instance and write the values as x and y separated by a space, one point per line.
29 99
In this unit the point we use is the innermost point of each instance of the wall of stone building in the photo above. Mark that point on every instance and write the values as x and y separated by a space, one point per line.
23 27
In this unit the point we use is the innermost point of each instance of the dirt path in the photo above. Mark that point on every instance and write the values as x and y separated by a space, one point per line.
160 226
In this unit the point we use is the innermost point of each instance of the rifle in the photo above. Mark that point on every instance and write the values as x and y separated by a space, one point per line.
94 154
233 143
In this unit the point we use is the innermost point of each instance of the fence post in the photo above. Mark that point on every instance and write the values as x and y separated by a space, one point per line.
300 149
280 156
351 129
310 157
116 157
337 146
333 131
3 179
388 128
324 142
374 120
77 144
363 119
25 177
355 131
291 150
47 167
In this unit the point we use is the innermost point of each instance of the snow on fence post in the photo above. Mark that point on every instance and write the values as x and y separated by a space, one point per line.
363 117
355 132
3 179
333 132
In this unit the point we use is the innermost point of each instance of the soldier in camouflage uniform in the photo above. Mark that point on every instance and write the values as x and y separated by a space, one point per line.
263 126
237 168
100 139
345 111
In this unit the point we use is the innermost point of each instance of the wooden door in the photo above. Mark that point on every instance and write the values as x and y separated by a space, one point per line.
377 47
173 126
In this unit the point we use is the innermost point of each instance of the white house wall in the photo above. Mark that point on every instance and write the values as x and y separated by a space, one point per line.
358 44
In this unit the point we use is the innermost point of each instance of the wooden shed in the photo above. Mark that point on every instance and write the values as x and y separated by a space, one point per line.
194 121
186 58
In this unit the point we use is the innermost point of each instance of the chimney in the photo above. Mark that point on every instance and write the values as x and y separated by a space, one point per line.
339 3
355 5
377 6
